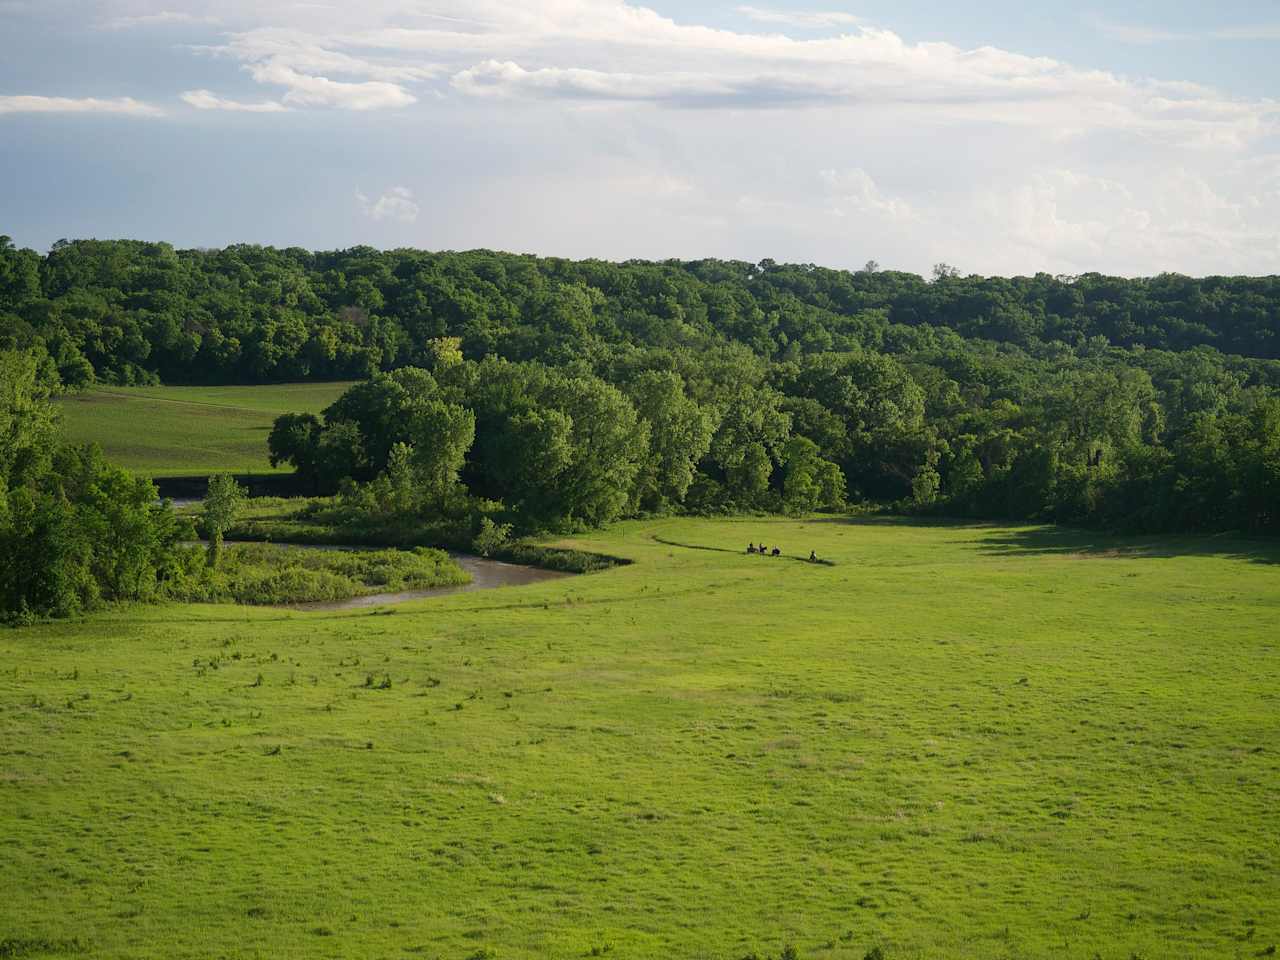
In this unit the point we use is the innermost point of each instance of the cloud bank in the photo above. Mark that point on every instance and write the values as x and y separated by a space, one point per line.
38 104
207 100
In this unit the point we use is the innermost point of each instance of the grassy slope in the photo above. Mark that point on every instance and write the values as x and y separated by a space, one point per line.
181 431
961 741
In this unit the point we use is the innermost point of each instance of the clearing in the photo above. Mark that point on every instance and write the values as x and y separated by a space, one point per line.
961 741
189 431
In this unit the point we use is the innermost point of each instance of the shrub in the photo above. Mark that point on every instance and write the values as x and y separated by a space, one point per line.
263 573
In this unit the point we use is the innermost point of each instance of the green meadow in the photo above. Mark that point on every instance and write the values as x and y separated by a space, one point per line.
957 741
189 431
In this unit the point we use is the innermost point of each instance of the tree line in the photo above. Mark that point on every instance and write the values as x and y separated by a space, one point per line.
74 530
129 311
547 393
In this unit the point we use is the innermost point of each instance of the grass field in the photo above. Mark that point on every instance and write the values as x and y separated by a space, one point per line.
189 431
959 741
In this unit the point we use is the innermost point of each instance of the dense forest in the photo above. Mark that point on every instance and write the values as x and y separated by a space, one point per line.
549 393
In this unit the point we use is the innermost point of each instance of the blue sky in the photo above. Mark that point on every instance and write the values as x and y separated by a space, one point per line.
1002 137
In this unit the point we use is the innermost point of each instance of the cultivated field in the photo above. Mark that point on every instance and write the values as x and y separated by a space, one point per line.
960 741
189 431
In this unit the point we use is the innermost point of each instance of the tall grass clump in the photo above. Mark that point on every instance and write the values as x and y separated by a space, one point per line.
263 573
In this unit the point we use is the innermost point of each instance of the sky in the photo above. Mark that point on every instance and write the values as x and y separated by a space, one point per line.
1134 138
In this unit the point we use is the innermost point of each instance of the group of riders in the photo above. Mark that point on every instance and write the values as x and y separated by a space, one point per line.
776 552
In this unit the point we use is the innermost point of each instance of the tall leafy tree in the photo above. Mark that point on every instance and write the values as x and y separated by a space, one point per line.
222 504
680 432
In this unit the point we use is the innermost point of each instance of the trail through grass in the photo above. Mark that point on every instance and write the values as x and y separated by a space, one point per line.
189 431
959 741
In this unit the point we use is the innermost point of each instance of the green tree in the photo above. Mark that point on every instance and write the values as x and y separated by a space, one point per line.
680 433
441 434
809 482
491 537
28 421
748 441
607 442
222 504
294 439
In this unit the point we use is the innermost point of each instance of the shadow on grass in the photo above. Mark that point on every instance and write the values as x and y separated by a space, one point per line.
738 553
1064 541
1048 540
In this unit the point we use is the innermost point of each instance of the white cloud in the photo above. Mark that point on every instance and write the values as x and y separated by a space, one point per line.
307 53
601 127
613 50
36 104
159 18
304 64
507 79
207 100
805 20
853 191
1175 218
311 91
395 204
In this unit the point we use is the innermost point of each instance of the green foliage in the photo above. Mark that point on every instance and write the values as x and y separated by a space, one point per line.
810 482
74 531
223 501
557 558
492 537
679 431
28 421
577 392
136 311
272 574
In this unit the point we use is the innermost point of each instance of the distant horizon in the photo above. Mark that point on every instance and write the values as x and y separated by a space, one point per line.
880 267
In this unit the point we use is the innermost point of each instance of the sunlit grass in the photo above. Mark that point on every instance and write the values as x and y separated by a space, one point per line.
958 741
189 431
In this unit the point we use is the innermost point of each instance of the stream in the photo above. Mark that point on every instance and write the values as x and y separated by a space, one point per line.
485 575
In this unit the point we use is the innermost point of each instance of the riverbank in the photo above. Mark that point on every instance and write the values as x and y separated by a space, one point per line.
305 521
263 574
484 574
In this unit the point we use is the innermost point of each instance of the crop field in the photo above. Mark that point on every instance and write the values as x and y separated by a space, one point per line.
957 741
189 431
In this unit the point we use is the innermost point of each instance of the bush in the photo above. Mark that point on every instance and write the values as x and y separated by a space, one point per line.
557 558
83 533
269 574
491 538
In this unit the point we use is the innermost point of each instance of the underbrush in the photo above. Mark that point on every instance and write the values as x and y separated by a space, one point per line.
318 521
263 573
556 558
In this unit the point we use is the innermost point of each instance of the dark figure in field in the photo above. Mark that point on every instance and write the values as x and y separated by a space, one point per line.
813 556
751 548
776 552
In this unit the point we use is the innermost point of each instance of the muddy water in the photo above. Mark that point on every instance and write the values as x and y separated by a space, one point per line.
485 575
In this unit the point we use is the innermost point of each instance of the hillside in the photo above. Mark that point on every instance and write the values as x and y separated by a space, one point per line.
188 431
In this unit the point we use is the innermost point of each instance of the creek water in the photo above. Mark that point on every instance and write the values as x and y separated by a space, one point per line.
485 575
